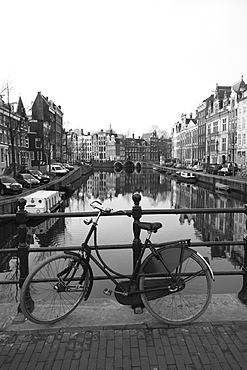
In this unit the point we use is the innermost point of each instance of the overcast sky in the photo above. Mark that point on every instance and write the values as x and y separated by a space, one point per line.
133 64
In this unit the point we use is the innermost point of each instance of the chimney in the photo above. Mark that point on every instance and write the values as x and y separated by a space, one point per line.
133 136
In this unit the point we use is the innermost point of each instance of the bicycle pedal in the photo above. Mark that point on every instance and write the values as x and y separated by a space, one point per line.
107 291
138 310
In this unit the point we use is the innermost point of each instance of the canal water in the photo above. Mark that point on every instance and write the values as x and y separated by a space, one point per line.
157 191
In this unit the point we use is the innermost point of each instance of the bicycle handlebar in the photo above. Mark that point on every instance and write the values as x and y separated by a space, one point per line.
98 205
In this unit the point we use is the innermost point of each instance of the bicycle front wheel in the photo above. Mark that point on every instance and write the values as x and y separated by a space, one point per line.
47 297
178 297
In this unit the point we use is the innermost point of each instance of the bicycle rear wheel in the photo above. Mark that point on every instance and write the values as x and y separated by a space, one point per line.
46 299
179 299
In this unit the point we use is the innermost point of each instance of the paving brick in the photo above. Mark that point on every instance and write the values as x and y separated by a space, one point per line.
203 346
74 365
101 359
50 360
126 363
84 360
203 355
39 346
28 352
57 365
135 358
109 363
232 362
234 350
143 347
186 355
118 360
126 347
169 355
180 362
110 348
145 365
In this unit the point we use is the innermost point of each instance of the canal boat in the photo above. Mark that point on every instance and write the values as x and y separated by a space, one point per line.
222 187
43 201
159 168
185 176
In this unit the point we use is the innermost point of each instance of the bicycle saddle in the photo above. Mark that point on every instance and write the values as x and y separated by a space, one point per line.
150 226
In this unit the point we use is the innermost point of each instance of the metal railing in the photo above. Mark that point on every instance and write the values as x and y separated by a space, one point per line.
23 249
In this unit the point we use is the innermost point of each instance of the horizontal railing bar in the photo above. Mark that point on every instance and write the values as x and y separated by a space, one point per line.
123 246
103 277
128 212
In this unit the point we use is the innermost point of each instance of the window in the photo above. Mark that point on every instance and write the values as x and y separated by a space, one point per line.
239 139
37 143
215 126
243 123
31 155
224 124
39 155
244 139
223 144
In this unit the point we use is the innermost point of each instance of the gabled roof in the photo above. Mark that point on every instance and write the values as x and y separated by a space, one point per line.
222 92
20 109
188 120
240 85
147 136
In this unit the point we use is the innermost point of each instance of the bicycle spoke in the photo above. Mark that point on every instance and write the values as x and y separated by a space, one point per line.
45 304
186 294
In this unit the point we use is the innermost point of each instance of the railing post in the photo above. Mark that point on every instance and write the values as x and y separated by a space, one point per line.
242 295
23 246
136 213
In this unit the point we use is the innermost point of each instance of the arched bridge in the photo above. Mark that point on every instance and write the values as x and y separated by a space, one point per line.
129 165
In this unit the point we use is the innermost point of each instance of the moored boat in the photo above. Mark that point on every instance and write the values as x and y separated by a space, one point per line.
159 168
185 176
222 187
43 201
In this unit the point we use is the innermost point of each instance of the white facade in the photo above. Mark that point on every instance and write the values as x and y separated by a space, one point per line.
242 131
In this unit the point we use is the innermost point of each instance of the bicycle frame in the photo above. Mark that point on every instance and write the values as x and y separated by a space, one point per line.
133 277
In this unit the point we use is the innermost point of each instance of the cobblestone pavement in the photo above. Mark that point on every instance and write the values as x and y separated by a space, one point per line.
215 345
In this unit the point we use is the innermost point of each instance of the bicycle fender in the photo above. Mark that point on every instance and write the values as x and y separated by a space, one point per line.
87 266
207 264
90 287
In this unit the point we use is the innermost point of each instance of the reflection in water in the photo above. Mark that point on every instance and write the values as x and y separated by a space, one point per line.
115 189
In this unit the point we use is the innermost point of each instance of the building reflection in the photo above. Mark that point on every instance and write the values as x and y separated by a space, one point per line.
212 226
105 185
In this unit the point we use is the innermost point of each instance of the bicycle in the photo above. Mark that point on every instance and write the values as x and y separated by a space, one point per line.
173 282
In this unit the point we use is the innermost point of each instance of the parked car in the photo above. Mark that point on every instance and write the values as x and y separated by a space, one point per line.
62 165
44 179
56 169
68 166
8 185
224 171
214 168
232 167
197 168
189 167
27 180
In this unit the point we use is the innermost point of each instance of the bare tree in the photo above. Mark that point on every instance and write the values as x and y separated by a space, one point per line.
12 126
160 133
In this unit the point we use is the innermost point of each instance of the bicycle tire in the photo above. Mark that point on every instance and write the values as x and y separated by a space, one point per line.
193 296
40 302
